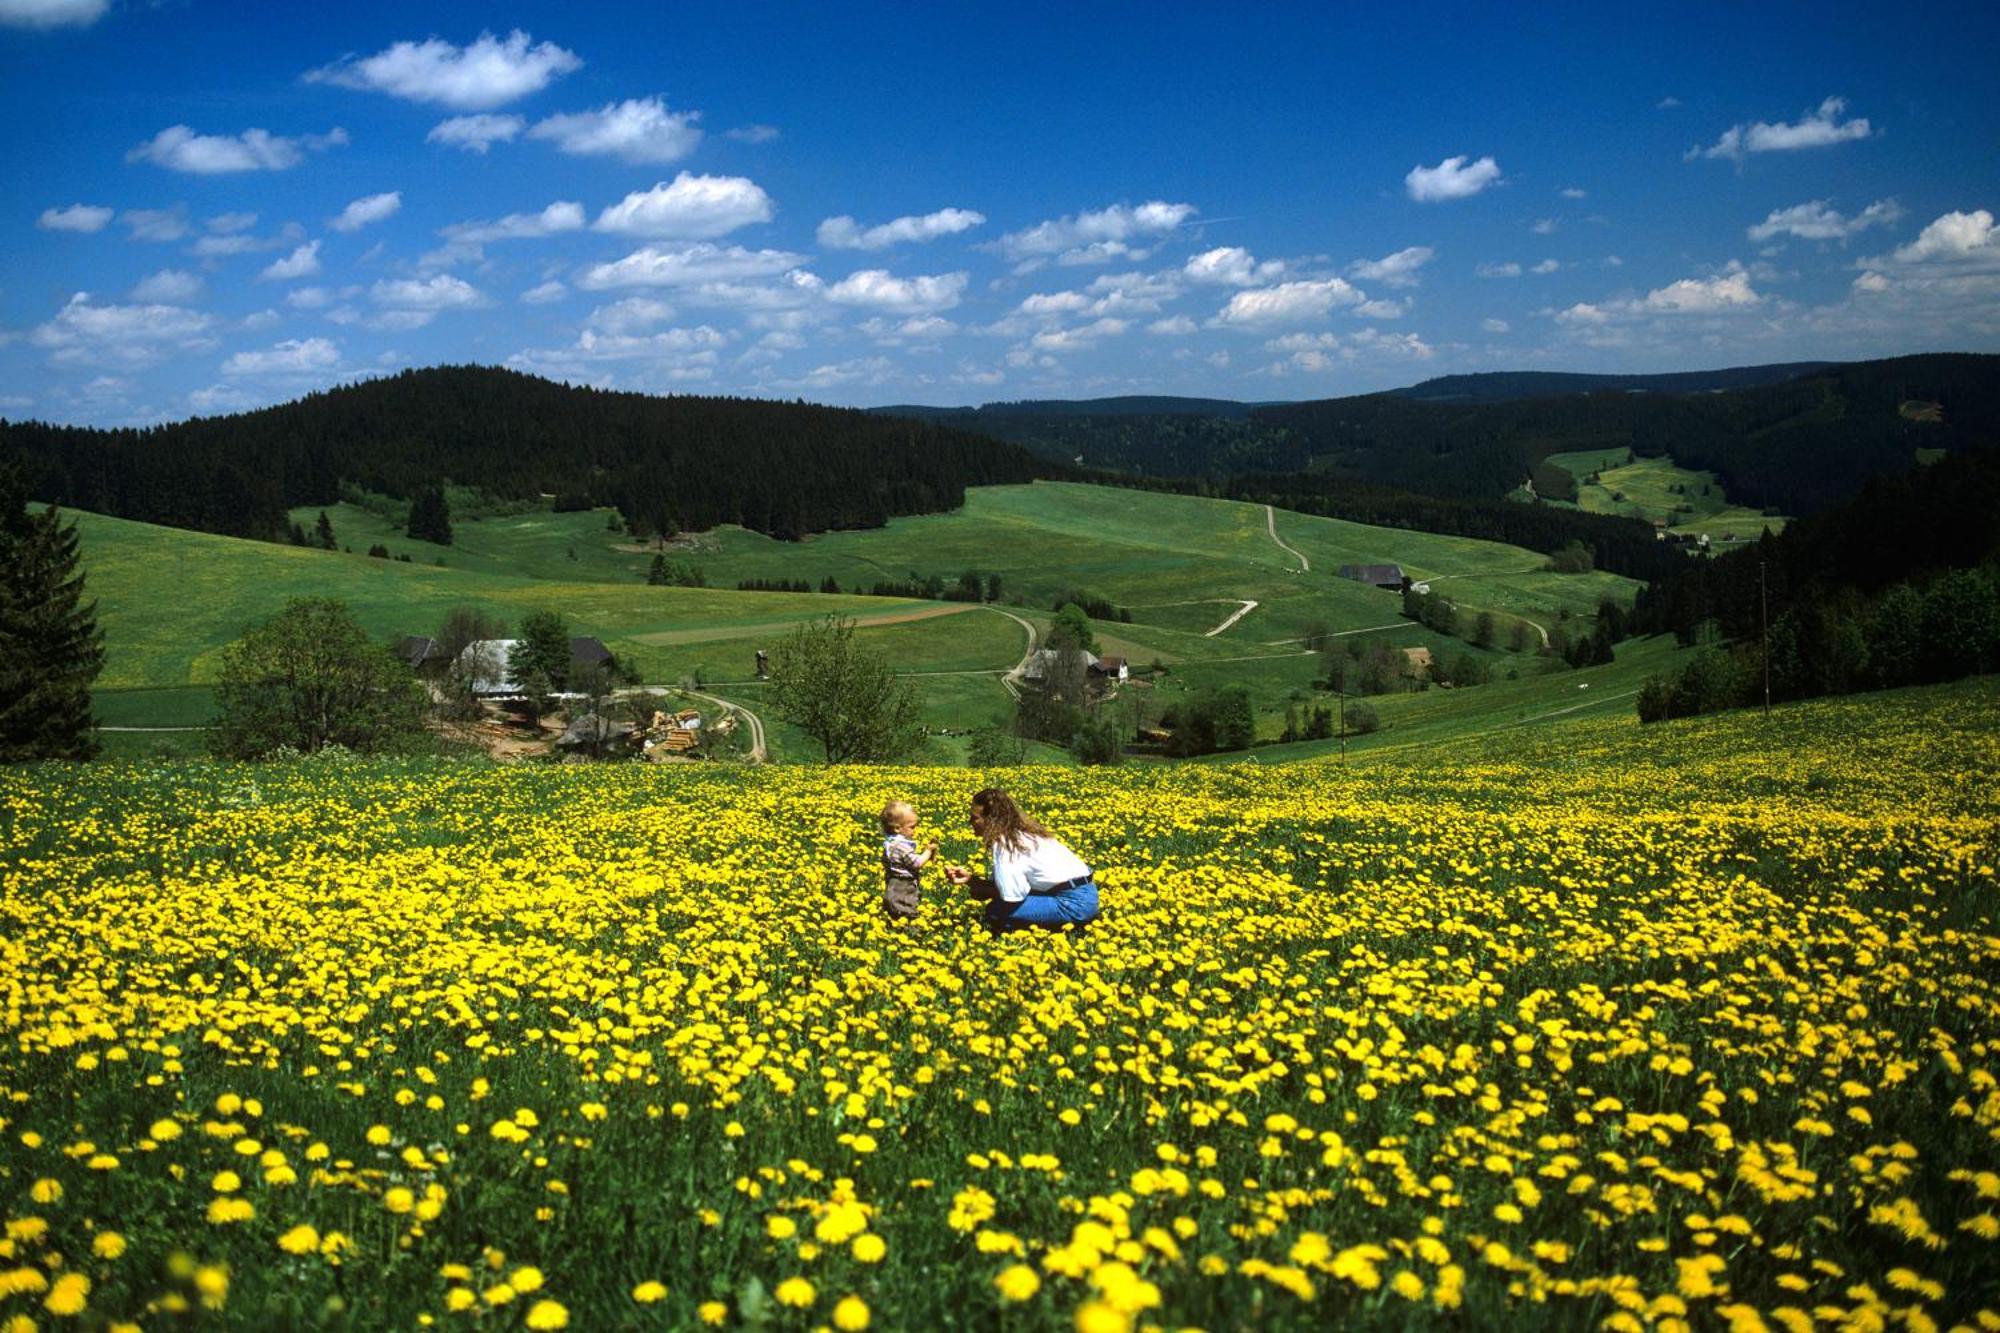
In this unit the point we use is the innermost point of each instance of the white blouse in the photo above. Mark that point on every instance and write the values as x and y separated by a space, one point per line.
1045 864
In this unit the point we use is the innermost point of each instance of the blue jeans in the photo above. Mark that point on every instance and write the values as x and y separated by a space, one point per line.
1060 910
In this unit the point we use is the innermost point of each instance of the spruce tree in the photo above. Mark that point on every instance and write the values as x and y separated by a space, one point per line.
323 529
50 646
430 517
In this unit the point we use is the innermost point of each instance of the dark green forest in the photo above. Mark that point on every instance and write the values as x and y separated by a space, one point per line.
666 463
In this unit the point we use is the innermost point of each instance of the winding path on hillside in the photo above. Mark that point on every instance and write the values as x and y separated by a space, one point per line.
1271 522
1011 680
758 754
1242 609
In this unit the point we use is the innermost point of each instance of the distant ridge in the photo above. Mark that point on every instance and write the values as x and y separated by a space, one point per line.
1132 406
1502 386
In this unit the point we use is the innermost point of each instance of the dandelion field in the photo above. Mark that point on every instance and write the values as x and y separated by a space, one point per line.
1688 1026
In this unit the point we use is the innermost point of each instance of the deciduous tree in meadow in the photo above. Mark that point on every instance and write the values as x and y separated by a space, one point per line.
843 694
310 677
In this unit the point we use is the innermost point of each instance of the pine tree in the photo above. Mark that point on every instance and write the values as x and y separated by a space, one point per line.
657 575
50 646
323 529
430 517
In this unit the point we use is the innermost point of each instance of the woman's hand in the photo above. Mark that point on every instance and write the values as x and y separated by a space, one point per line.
958 874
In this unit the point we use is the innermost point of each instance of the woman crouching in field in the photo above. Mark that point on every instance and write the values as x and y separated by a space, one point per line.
1035 880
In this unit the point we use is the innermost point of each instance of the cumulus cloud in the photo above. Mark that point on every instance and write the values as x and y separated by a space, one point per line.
300 263
77 217
754 133
543 294
561 216
1288 302
294 356
654 266
1096 236
879 289
1816 220
1954 236
169 286
178 148
1496 326
84 333
1379 309
1815 129
1572 192
1547 266
1454 178
488 73
1230 266
1312 352
634 131
1723 293
634 314
1397 270
439 292
844 233
222 224
692 208
1506 270
1177 326
51 13
372 208
669 355
475 134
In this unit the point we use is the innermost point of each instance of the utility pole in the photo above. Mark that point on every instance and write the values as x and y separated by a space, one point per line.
1764 624
1342 694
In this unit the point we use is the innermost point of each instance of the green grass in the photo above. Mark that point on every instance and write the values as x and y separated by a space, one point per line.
171 600
1646 488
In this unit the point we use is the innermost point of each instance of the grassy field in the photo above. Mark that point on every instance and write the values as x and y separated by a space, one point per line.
1688 1025
1656 488
171 600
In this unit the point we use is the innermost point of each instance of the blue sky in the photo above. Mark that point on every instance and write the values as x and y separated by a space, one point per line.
217 206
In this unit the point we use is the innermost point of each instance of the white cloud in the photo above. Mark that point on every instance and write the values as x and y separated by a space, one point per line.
1312 352
693 208
1230 266
634 314
1572 192
1288 302
1544 226
1496 326
478 77
169 286
1382 309
260 320
671 355
633 131
440 292
83 333
1723 293
223 224
77 217
1397 270
891 332
1954 236
788 299
1817 221
843 233
178 148
1070 340
1816 129
1093 235
652 266
880 290
51 13
372 208
292 357
156 224
300 263
475 134
1871 282
754 133
545 293
1507 270
1547 266
561 216
308 298
1178 326
1452 178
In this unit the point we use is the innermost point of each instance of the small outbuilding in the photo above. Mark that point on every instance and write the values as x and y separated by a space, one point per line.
1380 576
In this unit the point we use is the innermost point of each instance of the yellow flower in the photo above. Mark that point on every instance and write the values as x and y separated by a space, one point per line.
779 1227
796 1292
525 1279
646 1293
68 1296
851 1314
547 1314
398 1199
1018 1283
711 1312
301 1239
107 1245
1098 1317
379 1135
46 1190
869 1248
165 1131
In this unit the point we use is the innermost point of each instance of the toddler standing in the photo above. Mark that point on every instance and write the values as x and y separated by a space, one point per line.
903 861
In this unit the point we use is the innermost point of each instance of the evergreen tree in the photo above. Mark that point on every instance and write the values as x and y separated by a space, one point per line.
50 646
323 530
542 654
430 517
657 575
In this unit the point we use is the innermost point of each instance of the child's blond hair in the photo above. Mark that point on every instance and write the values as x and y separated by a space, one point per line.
892 814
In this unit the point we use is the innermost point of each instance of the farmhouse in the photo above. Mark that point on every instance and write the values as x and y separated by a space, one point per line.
1381 576
1045 660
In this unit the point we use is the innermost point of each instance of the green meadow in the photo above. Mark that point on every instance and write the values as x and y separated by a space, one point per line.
1182 566
1657 488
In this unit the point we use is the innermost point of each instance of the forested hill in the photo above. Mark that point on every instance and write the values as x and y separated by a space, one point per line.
1795 445
1500 386
667 463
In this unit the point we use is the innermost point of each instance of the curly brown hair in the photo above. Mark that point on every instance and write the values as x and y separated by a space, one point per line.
998 821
